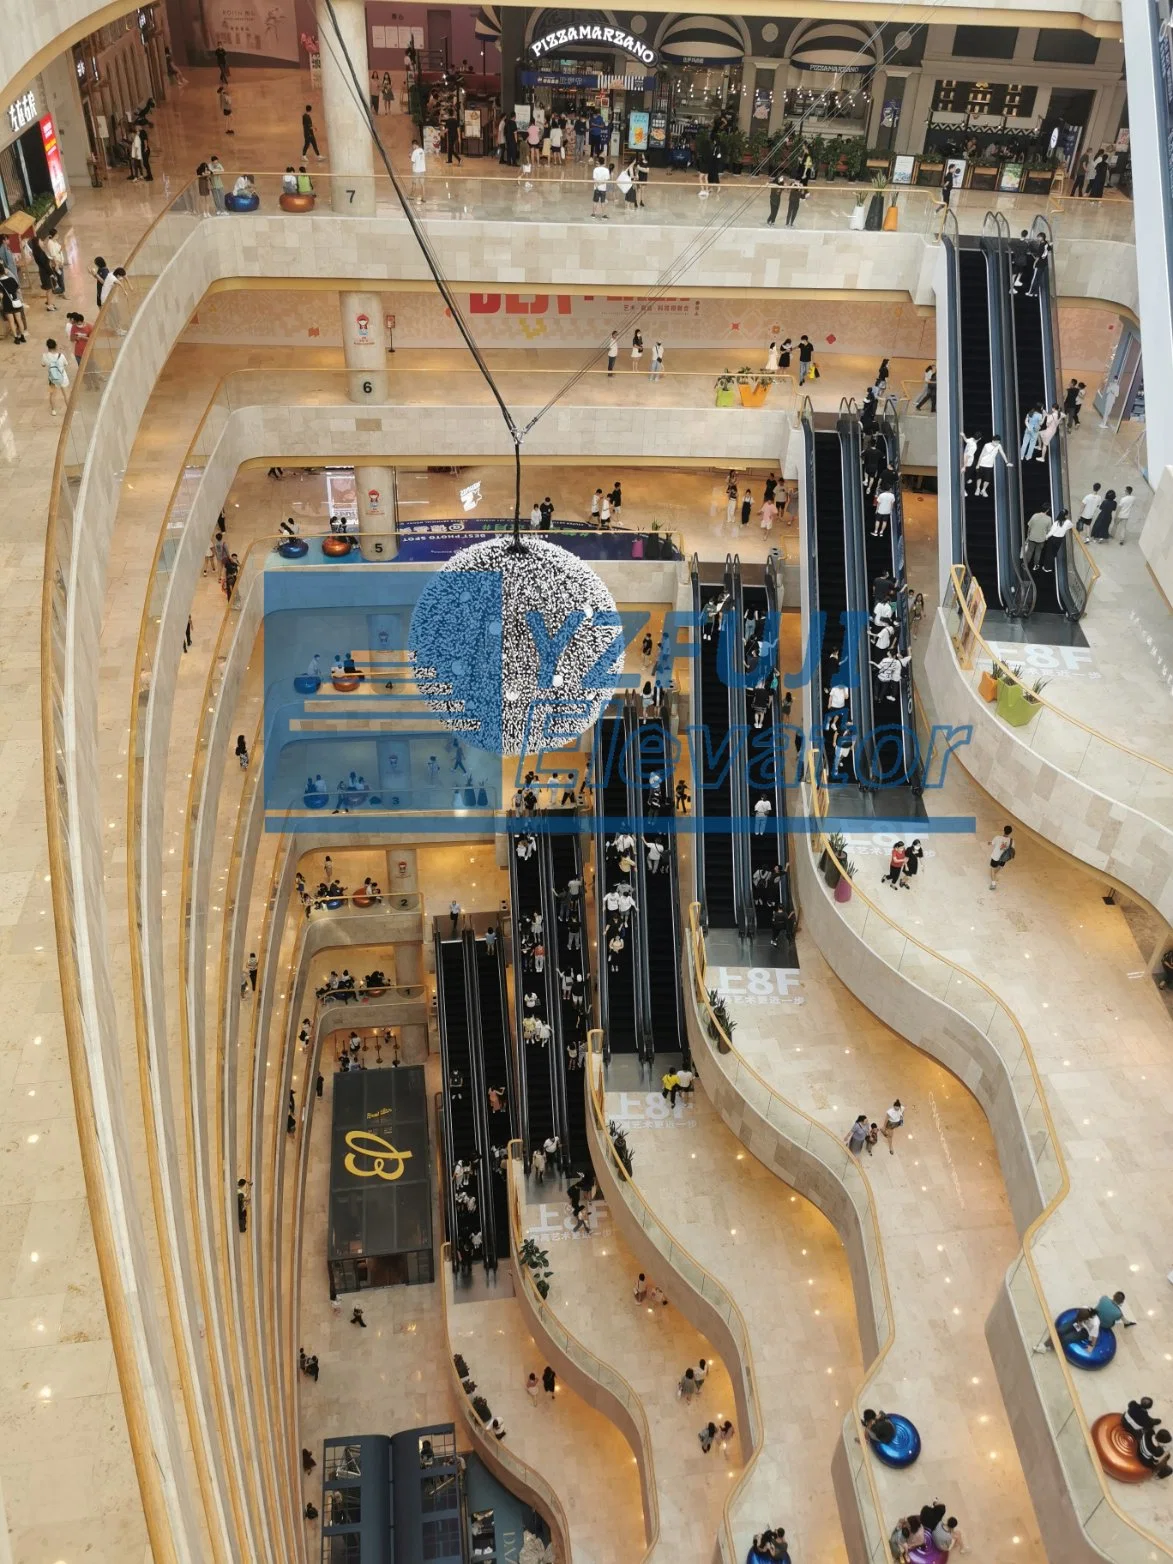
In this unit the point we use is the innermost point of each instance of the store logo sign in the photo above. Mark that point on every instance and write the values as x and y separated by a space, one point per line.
23 112
615 36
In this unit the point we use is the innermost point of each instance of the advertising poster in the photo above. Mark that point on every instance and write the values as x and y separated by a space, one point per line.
957 167
53 159
1011 177
637 131
903 168
262 27
472 124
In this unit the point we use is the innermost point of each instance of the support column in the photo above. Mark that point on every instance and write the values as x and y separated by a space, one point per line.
376 507
778 107
350 149
364 347
749 83
879 92
1151 195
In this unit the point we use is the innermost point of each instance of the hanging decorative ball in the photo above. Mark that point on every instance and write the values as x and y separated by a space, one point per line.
516 651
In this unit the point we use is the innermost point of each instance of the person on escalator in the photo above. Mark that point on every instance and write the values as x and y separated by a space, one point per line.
1060 527
988 455
843 769
1038 529
968 455
867 413
1041 255
888 671
1032 423
874 462
1048 432
885 505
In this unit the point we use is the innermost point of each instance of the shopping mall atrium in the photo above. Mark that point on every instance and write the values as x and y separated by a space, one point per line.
586 841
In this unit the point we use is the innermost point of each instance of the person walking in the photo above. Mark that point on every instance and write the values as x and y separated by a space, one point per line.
929 394
226 109
732 490
388 92
600 179
657 368
746 507
549 1381
896 862
686 1386
57 370
1102 526
768 513
893 1120
1001 853
857 1135
251 966
222 62
242 751
806 356
1123 511
913 854
1080 180
308 137
1088 508
793 201
777 184
612 352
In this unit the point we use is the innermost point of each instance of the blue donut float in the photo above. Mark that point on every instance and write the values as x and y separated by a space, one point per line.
306 684
293 548
903 1448
1079 1354
334 903
316 800
242 203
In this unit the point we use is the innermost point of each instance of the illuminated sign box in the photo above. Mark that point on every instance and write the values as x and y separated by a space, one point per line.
614 36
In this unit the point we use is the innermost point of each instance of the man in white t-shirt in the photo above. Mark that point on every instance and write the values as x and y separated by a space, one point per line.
419 167
1123 511
762 811
1090 507
968 455
885 505
57 370
601 178
987 456
1001 852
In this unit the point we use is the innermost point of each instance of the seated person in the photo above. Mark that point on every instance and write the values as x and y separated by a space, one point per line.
879 1427
289 181
244 186
932 1515
348 666
1152 1448
305 185
947 1536
1137 1417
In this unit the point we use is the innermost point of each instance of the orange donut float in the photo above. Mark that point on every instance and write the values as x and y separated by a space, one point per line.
346 683
1116 1449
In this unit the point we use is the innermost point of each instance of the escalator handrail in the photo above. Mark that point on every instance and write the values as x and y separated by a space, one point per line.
698 792
956 402
774 606
518 1008
645 1034
1068 586
739 775
446 1127
639 931
600 838
556 1048
511 1085
814 702
855 563
889 422
478 1089
1016 582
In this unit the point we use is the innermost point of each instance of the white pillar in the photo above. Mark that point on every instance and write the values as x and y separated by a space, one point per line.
879 92
1150 208
376 510
364 345
350 149
778 106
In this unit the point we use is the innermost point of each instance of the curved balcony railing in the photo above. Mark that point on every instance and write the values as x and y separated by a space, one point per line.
591 1366
693 1273
495 1452
1125 1540
1058 737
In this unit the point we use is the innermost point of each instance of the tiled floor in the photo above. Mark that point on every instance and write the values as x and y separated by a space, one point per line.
57 1389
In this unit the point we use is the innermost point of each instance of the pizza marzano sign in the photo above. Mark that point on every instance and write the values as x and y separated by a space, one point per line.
612 35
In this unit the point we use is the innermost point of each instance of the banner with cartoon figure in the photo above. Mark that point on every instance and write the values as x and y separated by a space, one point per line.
262 27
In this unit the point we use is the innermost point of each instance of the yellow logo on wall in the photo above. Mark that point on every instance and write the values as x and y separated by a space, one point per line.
380 1151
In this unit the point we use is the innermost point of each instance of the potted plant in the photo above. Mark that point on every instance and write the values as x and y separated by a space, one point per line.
1018 704
859 212
619 1142
720 1021
725 396
537 1262
988 683
843 888
875 218
482 1409
834 854
752 388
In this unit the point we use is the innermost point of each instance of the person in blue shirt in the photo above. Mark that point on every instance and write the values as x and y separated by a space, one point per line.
1110 1312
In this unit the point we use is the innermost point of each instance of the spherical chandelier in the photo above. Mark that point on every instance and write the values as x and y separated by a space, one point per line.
517 647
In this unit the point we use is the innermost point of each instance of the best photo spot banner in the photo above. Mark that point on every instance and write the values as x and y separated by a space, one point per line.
266 28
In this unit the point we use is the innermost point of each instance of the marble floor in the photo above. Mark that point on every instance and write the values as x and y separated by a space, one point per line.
782 1261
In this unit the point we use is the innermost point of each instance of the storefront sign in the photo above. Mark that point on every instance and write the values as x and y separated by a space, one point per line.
23 112
1010 177
614 36
53 159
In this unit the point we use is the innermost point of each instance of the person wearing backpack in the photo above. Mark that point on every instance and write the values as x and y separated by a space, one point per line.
1001 852
57 369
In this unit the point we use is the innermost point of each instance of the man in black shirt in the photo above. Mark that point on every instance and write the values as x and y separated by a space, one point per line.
307 130
879 1428
806 353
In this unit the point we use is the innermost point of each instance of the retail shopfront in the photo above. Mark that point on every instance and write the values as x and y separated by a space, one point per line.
32 175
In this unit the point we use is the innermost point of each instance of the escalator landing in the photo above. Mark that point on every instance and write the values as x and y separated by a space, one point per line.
728 948
890 803
1038 630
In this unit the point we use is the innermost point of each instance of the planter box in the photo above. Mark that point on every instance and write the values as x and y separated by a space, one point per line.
843 891
988 687
892 219
753 396
725 398
930 173
1015 707
984 179
858 217
1038 181
879 165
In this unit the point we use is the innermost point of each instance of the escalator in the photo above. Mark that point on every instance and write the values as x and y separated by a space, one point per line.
977 413
766 760
892 756
1043 483
565 868
827 482
714 663
536 1080
615 817
463 1104
659 898
492 1027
